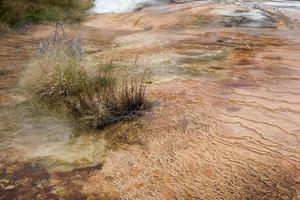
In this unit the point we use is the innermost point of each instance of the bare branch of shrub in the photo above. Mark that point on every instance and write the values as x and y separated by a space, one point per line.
58 41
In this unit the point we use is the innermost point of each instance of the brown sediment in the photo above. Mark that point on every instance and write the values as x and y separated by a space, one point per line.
30 180
226 124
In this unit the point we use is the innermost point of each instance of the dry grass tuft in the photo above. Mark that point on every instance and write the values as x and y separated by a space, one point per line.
96 100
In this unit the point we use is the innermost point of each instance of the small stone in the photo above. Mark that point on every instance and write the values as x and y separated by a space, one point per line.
9 187
78 176
4 181
148 27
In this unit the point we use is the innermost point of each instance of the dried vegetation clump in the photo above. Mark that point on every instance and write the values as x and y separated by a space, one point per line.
95 97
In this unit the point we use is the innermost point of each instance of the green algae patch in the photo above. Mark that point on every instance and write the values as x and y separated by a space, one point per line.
205 62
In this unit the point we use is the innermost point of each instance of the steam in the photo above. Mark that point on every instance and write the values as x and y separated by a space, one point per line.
117 6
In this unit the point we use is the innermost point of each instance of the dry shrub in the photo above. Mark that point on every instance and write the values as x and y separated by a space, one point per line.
58 42
106 96
18 13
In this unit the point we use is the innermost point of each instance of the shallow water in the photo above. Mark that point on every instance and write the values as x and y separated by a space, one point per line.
47 138
251 18
283 4
117 6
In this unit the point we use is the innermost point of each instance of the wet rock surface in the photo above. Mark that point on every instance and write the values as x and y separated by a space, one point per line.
227 121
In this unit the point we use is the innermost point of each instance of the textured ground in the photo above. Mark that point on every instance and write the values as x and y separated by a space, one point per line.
227 120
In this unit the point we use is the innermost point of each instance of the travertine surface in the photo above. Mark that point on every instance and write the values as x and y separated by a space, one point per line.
226 124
